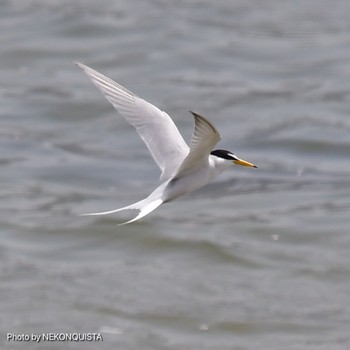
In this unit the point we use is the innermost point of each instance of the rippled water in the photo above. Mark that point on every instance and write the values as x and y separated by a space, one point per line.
259 259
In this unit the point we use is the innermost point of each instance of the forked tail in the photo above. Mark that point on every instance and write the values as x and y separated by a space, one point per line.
145 206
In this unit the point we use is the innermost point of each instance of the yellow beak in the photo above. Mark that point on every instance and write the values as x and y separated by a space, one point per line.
244 163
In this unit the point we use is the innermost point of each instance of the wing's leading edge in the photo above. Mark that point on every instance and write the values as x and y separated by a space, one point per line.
154 126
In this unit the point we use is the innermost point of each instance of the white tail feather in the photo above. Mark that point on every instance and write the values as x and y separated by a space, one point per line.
145 206
137 206
145 210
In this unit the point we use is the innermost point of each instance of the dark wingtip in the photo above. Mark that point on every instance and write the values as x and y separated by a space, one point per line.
195 114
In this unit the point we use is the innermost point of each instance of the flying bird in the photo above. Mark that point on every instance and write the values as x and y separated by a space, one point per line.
184 168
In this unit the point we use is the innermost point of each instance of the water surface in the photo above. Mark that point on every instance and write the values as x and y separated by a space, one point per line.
259 259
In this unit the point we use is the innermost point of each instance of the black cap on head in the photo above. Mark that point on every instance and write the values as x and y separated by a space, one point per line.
221 153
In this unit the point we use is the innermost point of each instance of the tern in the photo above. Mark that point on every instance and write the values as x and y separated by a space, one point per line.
184 168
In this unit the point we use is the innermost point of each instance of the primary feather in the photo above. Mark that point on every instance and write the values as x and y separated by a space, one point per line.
205 137
154 126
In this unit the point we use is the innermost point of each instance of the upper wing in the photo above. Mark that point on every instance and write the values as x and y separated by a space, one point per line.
205 137
154 126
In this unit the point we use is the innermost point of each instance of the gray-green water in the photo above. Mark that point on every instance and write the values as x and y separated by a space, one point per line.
259 259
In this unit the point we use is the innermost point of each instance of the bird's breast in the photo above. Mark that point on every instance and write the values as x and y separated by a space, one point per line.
192 181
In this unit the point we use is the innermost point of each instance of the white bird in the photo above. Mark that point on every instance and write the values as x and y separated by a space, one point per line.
183 169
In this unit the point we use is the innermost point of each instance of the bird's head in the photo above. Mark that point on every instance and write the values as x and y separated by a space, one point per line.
227 155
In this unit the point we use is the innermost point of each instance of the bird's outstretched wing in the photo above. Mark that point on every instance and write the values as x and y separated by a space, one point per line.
154 126
205 137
